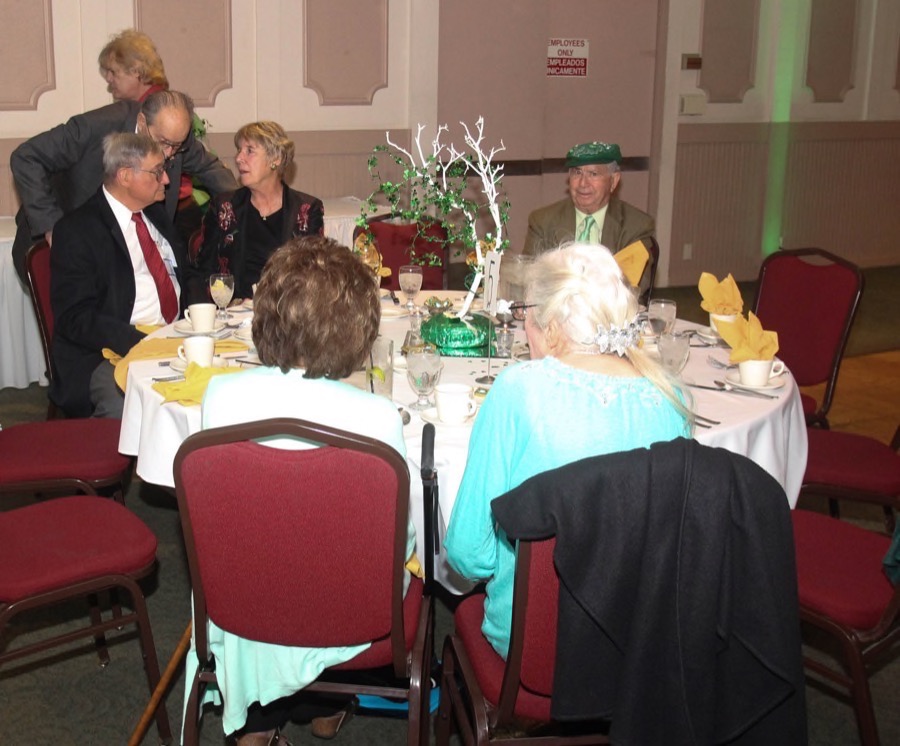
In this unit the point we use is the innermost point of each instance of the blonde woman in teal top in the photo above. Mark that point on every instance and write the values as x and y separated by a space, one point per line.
588 390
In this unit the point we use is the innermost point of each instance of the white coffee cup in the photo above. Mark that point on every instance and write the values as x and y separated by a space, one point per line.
758 372
198 350
715 318
202 316
455 402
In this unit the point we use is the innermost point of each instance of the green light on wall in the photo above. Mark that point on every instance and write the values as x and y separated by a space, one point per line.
782 93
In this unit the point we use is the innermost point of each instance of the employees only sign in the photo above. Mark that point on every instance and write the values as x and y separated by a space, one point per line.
567 58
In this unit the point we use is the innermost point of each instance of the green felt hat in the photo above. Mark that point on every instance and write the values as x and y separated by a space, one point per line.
593 152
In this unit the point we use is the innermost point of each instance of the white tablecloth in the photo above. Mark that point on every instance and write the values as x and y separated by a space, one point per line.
21 355
771 432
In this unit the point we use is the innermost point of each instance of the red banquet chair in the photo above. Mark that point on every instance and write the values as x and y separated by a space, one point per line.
486 696
301 509
810 297
59 456
394 242
852 467
844 592
77 547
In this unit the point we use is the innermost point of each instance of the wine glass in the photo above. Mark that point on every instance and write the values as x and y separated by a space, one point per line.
423 371
661 315
410 283
221 288
674 350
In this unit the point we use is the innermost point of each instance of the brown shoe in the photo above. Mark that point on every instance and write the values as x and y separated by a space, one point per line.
328 727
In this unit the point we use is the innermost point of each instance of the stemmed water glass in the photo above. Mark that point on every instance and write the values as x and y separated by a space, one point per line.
423 371
661 315
674 350
221 288
410 283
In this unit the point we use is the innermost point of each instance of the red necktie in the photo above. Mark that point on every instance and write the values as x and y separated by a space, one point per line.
168 301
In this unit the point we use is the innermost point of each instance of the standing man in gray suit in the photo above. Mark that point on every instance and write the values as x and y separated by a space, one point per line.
58 170
591 213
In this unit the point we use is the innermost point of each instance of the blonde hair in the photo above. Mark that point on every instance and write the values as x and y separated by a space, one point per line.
135 52
580 288
273 138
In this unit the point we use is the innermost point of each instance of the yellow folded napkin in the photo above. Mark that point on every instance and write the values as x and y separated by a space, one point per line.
157 348
720 297
190 391
748 340
632 260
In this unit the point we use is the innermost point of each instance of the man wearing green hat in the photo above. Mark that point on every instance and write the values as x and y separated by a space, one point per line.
592 213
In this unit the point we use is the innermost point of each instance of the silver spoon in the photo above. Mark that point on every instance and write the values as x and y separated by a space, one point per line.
719 364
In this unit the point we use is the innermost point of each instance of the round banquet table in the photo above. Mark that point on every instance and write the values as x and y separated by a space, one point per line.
770 432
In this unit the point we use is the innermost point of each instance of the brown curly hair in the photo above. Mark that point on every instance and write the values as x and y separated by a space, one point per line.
315 307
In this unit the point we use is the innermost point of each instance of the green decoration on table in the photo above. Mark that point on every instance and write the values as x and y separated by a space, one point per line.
456 337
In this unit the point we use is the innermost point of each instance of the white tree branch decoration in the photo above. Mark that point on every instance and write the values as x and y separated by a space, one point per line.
437 182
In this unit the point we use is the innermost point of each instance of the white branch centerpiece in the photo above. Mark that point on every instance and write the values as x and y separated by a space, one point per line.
434 184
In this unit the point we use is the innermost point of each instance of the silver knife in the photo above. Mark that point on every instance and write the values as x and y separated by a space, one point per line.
394 298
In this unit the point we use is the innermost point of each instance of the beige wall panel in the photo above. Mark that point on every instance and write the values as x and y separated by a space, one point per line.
719 186
830 56
280 71
345 47
841 190
728 47
26 38
884 95
194 41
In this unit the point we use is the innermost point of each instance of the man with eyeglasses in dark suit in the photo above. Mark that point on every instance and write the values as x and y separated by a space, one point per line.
117 263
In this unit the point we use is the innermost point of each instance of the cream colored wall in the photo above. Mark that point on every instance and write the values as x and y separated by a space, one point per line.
806 141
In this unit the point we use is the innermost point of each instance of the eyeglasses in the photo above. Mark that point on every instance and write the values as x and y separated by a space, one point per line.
175 147
520 310
157 172
591 175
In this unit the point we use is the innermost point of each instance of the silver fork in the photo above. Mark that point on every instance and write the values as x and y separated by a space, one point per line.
719 364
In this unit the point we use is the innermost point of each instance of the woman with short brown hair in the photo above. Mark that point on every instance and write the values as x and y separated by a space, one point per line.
316 315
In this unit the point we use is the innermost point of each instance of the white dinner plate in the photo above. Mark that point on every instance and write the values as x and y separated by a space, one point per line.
184 327
709 335
393 312
734 378
431 415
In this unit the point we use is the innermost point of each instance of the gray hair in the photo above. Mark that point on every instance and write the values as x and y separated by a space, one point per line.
156 102
580 288
612 168
126 150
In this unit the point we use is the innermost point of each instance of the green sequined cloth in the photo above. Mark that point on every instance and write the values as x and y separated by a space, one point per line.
455 337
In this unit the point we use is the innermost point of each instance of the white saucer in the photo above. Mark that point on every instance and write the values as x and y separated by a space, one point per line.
179 366
184 327
431 415
521 353
244 334
709 335
393 312
734 378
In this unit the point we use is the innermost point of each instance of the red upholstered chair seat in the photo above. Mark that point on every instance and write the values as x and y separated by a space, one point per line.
80 538
852 461
839 569
72 548
83 448
488 666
